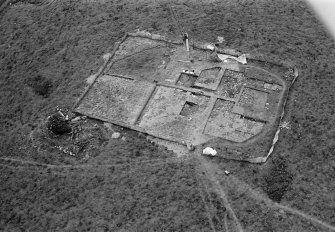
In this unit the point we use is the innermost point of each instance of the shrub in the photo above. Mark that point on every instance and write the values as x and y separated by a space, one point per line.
277 180
58 124
40 85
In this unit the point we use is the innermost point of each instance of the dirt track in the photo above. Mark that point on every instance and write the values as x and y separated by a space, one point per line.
227 181
63 41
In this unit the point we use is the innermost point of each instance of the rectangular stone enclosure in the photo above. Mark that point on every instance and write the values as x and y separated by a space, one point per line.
118 99
151 86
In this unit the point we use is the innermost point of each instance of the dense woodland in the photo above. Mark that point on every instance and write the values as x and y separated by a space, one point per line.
49 48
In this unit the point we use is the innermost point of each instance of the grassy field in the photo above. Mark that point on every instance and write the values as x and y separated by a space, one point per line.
48 50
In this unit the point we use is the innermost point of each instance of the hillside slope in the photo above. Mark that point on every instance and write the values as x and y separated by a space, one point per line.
48 50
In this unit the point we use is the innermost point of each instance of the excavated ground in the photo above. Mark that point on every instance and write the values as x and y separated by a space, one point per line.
49 48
